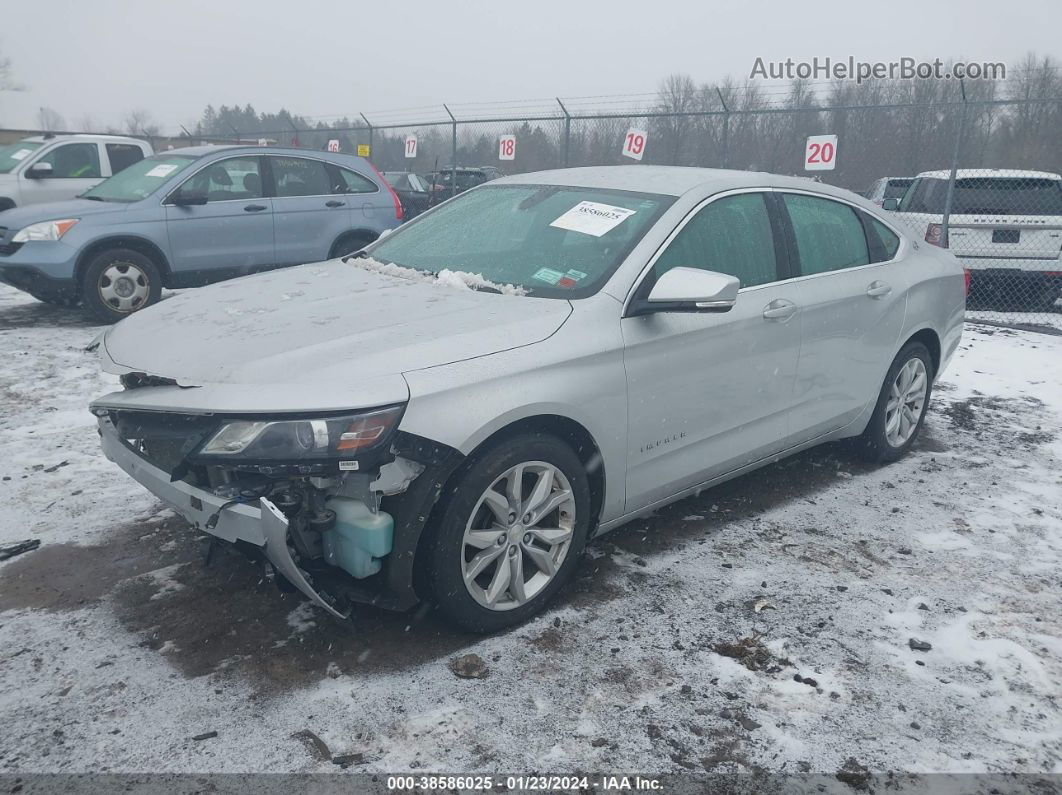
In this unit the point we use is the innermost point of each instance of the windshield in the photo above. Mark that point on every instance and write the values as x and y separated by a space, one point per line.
139 180
555 242
986 195
13 154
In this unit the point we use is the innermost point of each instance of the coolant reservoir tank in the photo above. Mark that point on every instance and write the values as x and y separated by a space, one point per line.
359 538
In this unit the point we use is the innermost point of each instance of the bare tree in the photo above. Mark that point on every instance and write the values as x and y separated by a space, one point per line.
140 122
6 81
50 120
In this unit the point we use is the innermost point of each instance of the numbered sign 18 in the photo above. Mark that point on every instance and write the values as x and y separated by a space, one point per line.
411 146
507 147
634 143
333 144
820 153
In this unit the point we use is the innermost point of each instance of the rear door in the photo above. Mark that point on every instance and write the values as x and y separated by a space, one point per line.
853 293
310 210
709 392
232 233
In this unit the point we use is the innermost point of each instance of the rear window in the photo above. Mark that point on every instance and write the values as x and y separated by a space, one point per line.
986 196
896 188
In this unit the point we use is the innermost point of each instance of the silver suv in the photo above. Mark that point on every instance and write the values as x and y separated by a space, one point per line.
52 168
450 414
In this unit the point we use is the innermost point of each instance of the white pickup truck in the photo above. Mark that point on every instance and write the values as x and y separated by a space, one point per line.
51 168
1005 227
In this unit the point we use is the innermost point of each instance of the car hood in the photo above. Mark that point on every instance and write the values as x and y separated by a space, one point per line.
20 217
326 335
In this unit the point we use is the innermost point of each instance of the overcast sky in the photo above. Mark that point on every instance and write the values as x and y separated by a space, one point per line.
102 58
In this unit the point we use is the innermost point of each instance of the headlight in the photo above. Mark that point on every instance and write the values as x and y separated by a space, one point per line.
46 230
295 440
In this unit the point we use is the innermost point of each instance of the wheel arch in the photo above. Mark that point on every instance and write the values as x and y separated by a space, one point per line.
142 245
928 337
360 233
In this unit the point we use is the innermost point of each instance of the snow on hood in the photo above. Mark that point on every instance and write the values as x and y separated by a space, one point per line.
333 324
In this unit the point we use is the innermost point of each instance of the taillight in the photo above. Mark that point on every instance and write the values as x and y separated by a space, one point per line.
935 235
399 214
966 276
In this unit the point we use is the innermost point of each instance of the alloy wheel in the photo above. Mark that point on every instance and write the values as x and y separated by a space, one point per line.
518 535
124 287
907 398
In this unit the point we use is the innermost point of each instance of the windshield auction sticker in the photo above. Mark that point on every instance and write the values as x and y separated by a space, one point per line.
592 218
161 170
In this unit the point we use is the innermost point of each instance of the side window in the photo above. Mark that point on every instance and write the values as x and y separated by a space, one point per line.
352 182
297 176
234 179
74 161
829 235
123 155
881 240
731 235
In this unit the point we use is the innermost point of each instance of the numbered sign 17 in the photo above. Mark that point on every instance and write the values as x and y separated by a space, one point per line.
507 147
634 143
820 153
411 146
333 144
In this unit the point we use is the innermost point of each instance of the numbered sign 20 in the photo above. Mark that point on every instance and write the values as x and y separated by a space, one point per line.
333 144
820 153
634 143
507 147
411 146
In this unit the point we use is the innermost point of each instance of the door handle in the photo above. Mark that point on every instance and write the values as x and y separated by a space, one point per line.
255 208
334 203
878 289
779 309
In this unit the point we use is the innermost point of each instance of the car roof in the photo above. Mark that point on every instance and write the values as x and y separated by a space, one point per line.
70 136
966 173
207 149
667 180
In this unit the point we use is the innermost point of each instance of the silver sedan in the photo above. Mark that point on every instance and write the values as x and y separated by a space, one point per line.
449 415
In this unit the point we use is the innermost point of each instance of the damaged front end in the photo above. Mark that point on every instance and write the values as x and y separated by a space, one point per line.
333 503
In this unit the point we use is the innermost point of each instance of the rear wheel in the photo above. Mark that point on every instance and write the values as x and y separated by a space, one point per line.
118 282
348 244
901 405
511 533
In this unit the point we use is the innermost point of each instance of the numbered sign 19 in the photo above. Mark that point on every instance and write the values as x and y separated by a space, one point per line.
820 153
507 147
634 143
411 146
333 144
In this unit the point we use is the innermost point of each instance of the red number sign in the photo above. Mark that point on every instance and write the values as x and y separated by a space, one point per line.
820 153
411 146
634 143
507 147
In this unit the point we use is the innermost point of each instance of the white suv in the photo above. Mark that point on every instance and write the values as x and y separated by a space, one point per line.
1005 227
51 168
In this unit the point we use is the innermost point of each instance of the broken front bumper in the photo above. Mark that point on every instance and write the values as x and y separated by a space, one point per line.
262 525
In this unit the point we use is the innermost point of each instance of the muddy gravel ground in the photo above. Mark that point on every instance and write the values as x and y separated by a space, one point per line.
820 615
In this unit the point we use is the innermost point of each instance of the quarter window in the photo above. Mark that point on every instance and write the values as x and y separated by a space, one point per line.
829 235
884 243
74 161
731 235
123 155
352 182
297 176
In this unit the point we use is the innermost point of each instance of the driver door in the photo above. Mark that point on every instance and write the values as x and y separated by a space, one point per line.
231 234
709 393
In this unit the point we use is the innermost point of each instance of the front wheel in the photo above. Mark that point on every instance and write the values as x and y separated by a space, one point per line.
901 405
118 282
511 533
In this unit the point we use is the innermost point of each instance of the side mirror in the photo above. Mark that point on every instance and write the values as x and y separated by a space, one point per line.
690 290
39 171
188 199
891 204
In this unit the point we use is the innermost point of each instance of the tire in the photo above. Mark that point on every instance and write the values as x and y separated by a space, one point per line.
889 436
465 531
110 275
348 244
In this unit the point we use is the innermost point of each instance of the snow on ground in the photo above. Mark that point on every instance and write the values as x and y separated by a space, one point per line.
764 625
